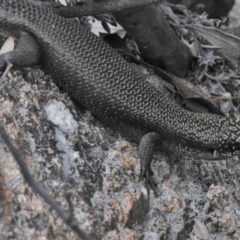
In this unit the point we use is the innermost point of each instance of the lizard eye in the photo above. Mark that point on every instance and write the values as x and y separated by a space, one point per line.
214 152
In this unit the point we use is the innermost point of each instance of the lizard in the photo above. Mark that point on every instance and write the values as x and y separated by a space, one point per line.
93 74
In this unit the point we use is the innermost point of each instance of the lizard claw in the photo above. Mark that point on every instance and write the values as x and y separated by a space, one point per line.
150 183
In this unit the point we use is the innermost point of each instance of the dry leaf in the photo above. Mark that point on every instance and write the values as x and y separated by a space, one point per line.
189 91
8 45
229 44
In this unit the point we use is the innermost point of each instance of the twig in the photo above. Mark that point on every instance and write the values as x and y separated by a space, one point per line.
65 215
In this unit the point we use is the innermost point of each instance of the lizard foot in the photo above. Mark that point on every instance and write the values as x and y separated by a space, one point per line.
150 183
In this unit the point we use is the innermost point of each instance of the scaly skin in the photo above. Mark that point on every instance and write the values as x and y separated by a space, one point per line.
102 81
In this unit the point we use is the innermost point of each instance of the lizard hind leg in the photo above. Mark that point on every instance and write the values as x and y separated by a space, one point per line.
26 54
148 142
145 152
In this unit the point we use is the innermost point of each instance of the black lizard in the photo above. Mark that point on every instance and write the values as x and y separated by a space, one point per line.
102 81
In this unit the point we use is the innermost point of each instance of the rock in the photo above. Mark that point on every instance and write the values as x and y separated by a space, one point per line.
68 150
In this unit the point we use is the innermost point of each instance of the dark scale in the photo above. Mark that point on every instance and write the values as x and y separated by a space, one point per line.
101 80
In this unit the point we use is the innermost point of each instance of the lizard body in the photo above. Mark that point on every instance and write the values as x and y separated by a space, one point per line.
102 81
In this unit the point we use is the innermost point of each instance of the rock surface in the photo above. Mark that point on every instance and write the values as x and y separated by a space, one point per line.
69 151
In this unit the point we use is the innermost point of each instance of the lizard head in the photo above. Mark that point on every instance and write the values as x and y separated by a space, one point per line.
229 140
220 141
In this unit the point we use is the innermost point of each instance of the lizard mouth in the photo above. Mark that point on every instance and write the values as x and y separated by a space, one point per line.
220 154
212 154
215 155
